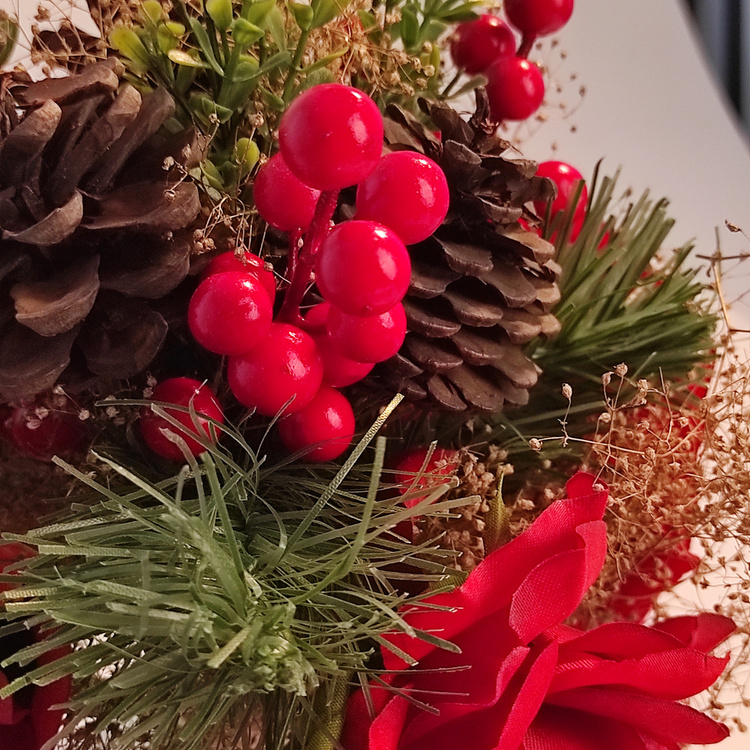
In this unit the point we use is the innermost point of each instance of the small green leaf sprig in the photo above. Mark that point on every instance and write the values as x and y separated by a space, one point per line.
234 66
230 593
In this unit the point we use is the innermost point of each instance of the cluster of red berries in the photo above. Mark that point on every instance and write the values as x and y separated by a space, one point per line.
515 86
280 361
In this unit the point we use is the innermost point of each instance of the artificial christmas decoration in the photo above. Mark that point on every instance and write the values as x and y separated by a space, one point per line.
482 286
333 512
91 226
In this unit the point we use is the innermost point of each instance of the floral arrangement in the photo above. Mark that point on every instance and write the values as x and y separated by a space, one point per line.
328 421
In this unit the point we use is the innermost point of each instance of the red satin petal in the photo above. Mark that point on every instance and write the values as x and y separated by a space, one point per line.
664 720
562 729
672 675
703 632
622 640
551 592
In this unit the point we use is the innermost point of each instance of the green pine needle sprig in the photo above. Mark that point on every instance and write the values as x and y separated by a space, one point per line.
625 298
221 599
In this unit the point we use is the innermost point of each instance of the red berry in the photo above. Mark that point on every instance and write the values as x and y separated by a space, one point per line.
281 198
230 312
185 392
567 180
247 263
363 268
338 370
316 318
45 434
442 463
324 428
538 17
477 44
515 88
285 365
408 193
331 136
373 338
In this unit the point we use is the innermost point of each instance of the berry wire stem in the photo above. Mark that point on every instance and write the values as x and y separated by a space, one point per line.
293 254
305 260
526 44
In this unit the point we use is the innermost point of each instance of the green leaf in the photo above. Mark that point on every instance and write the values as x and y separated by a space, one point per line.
185 58
151 12
201 36
275 22
409 26
369 21
220 12
207 109
302 14
129 44
327 60
257 12
245 33
325 11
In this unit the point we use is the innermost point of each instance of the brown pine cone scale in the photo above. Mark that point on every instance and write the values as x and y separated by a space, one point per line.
482 286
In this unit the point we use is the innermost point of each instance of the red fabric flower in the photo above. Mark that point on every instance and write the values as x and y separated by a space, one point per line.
524 681
27 719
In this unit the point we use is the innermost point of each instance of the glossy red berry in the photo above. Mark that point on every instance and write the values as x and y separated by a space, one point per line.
406 192
283 200
331 136
41 432
477 44
363 268
316 318
442 464
515 88
230 312
247 263
285 365
368 339
191 394
338 370
538 17
567 179
324 428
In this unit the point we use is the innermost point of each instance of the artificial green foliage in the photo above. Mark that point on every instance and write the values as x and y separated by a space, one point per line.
230 591
626 297
233 67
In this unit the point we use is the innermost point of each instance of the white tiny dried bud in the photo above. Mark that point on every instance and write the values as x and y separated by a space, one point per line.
84 414
151 381
567 391
535 444
168 162
429 70
621 370
169 195
111 412
34 424
42 412
148 392
58 390
606 379
605 417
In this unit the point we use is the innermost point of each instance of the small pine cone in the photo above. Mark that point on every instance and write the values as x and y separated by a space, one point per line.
93 227
482 286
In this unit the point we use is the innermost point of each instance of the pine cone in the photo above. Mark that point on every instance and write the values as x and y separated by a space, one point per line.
482 286
90 226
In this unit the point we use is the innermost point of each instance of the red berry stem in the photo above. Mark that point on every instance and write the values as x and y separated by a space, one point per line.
305 260
527 42
293 253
